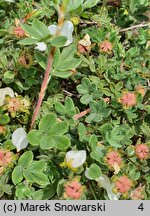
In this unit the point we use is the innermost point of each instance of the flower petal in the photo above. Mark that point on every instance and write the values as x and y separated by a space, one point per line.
85 41
87 174
3 93
52 29
76 158
19 139
67 30
105 183
41 46
9 1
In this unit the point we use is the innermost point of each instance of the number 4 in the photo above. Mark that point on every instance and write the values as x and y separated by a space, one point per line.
141 207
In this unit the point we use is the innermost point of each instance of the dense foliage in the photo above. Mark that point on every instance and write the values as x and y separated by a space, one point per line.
74 99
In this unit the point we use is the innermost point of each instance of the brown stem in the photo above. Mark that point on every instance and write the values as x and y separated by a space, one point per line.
48 68
88 22
135 26
43 86
81 114
61 16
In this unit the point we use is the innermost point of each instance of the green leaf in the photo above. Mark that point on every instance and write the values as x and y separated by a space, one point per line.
98 111
146 130
68 64
56 59
24 191
34 32
60 187
8 77
58 41
4 187
130 150
82 131
27 41
4 119
52 133
93 141
7 189
45 193
116 136
41 28
59 129
65 61
119 86
92 64
69 105
90 3
86 99
94 171
3 32
34 137
37 177
62 74
46 142
41 59
25 159
74 4
93 117
83 88
47 122
17 176
105 128
68 52
98 107
62 142
135 4
134 174
60 108
37 166
98 154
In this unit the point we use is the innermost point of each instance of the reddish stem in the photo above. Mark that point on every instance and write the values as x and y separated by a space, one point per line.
43 86
48 69
81 114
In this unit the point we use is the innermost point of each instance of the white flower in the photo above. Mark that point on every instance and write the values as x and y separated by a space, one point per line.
3 93
9 1
85 41
75 159
87 174
66 30
105 183
19 139
41 46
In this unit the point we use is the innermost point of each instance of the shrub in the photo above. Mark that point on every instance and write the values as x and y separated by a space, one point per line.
74 100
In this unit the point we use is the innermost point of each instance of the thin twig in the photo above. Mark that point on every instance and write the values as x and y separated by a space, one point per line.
70 94
92 191
88 22
43 86
141 25
81 114
48 68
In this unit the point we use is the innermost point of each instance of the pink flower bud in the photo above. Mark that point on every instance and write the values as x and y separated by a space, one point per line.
138 193
19 32
73 189
128 99
123 184
105 46
142 151
113 158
